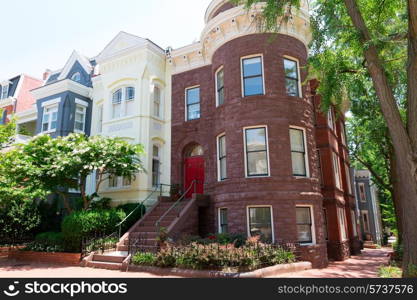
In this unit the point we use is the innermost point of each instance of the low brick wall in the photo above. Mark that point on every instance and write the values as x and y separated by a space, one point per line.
261 273
69 259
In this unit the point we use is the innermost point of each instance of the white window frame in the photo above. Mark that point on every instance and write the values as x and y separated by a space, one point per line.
307 166
272 219
313 225
241 74
4 91
221 68
186 102
348 179
75 74
362 199
267 151
341 214
219 219
84 117
336 170
161 101
54 108
300 90
330 119
123 102
119 183
343 134
158 158
219 174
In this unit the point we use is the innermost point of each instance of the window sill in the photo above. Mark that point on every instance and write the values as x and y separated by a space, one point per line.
261 176
115 189
48 132
307 244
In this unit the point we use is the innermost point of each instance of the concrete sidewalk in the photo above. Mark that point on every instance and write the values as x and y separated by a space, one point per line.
362 266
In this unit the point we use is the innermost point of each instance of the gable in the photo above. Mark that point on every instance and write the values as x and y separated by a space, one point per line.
122 42
14 82
82 61
85 78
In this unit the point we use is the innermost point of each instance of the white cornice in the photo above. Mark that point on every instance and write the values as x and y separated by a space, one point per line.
125 52
27 116
60 87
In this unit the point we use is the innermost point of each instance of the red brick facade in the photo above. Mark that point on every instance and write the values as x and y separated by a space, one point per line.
275 110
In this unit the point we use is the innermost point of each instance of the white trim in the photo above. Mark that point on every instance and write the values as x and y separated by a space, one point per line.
267 150
313 224
156 83
60 87
300 89
81 102
263 73
84 108
219 179
221 68
75 56
272 219
307 163
51 102
219 219
186 98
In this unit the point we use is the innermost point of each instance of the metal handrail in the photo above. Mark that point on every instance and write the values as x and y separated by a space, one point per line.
193 184
157 187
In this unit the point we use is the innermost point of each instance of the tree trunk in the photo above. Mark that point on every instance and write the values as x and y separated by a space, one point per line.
395 196
65 201
402 143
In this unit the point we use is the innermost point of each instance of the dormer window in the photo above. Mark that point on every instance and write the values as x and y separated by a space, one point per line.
122 102
4 91
76 77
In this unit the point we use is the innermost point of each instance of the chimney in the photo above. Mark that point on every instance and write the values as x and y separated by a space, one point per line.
46 74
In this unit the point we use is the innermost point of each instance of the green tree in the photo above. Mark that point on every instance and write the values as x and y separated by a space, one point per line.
7 132
45 165
375 39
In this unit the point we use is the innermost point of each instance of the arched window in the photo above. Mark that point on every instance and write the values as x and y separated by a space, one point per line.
76 77
196 151
123 102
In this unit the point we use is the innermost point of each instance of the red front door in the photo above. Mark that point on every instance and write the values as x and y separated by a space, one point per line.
194 170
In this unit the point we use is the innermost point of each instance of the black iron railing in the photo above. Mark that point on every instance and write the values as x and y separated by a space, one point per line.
99 242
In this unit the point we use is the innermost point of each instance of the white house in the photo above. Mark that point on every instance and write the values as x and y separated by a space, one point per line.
131 100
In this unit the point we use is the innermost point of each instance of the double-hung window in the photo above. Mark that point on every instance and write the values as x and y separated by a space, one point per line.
298 152
4 91
304 225
252 72
50 118
223 222
157 102
156 166
80 114
193 103
330 118
342 223
256 149
222 164
117 103
260 223
362 193
336 169
220 87
292 80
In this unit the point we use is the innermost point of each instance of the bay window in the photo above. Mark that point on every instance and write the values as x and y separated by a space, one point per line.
123 102
260 223
193 103
298 152
252 73
292 80
256 149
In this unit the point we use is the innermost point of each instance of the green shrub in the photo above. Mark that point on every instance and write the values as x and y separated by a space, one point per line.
215 256
236 239
398 251
84 224
144 259
136 216
389 272
47 242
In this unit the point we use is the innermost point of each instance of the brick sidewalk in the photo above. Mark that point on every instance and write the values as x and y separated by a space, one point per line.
362 266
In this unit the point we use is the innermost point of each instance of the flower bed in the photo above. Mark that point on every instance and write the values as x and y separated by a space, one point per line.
228 258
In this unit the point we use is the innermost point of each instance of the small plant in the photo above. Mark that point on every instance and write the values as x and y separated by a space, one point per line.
162 237
144 259
391 271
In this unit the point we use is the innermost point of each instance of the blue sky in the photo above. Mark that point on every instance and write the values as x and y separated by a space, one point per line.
40 34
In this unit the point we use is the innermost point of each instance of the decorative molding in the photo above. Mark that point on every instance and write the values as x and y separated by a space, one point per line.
81 102
121 80
51 102
60 87
75 56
